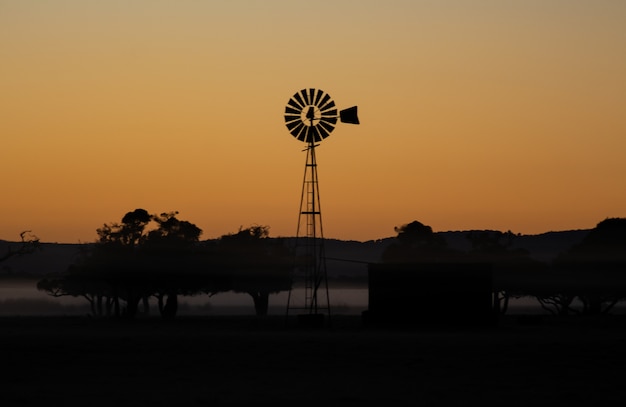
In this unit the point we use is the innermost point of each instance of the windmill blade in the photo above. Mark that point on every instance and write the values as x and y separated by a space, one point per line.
349 115
311 95
312 134
322 131
324 100
329 105
293 103
327 126
292 117
330 113
301 132
305 96
291 110
318 97
298 99
293 124
332 119
294 127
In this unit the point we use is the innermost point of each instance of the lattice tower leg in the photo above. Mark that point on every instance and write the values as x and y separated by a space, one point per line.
310 271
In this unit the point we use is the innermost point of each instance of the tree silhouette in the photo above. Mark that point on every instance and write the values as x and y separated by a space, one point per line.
496 248
172 242
129 233
117 249
606 242
258 265
79 282
130 264
416 242
28 244
594 269
172 235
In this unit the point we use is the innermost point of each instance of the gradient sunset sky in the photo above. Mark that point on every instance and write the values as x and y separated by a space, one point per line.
507 115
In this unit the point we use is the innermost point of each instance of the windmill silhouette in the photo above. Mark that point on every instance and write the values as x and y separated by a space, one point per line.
310 116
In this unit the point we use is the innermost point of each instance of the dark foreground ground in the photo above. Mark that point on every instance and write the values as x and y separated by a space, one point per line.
221 361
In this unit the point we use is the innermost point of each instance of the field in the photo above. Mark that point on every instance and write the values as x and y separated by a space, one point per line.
241 360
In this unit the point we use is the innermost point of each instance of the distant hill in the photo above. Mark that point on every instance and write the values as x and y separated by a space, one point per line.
542 247
348 259
49 258
345 259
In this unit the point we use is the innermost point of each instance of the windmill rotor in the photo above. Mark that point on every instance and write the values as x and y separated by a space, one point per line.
311 115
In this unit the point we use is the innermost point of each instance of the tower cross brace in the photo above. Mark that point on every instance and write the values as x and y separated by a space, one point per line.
310 272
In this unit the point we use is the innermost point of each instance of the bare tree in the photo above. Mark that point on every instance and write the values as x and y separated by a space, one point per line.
28 244
557 304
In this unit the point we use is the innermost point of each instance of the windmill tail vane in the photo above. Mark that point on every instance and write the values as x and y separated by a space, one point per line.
349 115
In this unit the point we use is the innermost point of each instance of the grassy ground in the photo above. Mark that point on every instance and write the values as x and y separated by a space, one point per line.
240 360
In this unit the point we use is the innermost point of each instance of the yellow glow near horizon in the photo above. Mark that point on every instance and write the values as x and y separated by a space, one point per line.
475 115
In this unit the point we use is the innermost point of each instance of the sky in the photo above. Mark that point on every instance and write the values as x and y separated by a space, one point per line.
505 115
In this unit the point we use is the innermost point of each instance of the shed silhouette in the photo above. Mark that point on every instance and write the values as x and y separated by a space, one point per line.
430 294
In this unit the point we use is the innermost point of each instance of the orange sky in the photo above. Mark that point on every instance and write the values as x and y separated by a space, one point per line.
474 114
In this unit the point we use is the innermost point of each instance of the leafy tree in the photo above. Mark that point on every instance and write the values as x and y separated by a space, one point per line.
130 263
593 269
117 252
76 282
496 248
103 276
127 234
416 242
172 235
256 264
170 243
606 242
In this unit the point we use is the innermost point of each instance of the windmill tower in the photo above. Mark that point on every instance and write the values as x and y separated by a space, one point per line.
310 116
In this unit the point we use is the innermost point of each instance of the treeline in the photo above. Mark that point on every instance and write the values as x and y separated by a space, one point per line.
160 256
587 279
